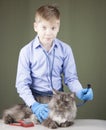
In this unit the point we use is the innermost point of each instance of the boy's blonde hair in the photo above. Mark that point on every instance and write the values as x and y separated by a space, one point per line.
47 12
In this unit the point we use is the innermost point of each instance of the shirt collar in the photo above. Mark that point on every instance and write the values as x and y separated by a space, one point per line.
38 44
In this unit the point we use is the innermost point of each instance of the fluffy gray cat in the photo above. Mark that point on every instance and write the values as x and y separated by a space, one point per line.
62 113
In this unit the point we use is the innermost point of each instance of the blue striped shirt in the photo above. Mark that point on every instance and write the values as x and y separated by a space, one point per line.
35 65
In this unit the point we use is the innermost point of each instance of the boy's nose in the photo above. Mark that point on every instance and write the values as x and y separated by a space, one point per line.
48 31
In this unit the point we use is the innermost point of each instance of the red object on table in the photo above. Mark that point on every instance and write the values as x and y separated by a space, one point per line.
23 123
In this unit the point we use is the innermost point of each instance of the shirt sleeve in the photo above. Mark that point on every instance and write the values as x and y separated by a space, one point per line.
23 78
70 73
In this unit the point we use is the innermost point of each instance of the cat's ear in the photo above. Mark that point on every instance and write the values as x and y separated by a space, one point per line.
55 92
72 95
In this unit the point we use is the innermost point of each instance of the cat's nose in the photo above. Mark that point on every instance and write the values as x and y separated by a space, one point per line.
66 103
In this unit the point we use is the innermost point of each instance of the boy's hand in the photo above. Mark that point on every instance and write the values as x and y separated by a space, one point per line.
40 110
85 94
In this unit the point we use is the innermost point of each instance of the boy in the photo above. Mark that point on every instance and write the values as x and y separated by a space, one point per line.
43 61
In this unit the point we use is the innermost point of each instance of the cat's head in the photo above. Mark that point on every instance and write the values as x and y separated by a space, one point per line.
63 100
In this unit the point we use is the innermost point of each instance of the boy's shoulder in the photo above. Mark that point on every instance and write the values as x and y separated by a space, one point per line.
62 44
28 46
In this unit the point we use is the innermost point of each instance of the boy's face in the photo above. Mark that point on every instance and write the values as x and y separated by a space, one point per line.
47 30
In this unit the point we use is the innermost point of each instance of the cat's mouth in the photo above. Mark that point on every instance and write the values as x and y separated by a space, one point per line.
61 109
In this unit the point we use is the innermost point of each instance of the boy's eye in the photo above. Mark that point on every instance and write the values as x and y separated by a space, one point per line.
53 28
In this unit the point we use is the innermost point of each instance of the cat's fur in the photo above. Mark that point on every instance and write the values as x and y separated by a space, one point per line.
62 111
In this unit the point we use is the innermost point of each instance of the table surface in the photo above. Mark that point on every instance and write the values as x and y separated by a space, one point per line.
80 124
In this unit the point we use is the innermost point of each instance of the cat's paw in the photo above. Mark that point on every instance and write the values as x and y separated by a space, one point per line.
66 124
50 123
8 119
34 119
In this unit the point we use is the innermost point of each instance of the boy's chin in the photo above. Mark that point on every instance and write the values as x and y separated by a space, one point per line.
49 42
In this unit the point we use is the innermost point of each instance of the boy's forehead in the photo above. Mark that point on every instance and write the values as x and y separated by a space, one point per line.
53 20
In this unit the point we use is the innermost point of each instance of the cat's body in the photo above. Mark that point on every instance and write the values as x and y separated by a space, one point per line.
62 111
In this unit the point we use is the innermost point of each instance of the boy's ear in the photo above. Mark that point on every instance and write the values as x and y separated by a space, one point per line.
35 26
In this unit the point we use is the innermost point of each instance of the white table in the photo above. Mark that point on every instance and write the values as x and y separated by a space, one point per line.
80 124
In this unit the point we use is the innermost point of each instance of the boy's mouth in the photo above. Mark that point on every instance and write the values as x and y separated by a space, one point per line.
48 38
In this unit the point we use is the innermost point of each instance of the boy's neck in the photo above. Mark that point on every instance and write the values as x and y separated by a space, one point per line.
47 46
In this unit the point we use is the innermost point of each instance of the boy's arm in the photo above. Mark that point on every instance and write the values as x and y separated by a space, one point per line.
23 79
23 82
70 72
71 78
